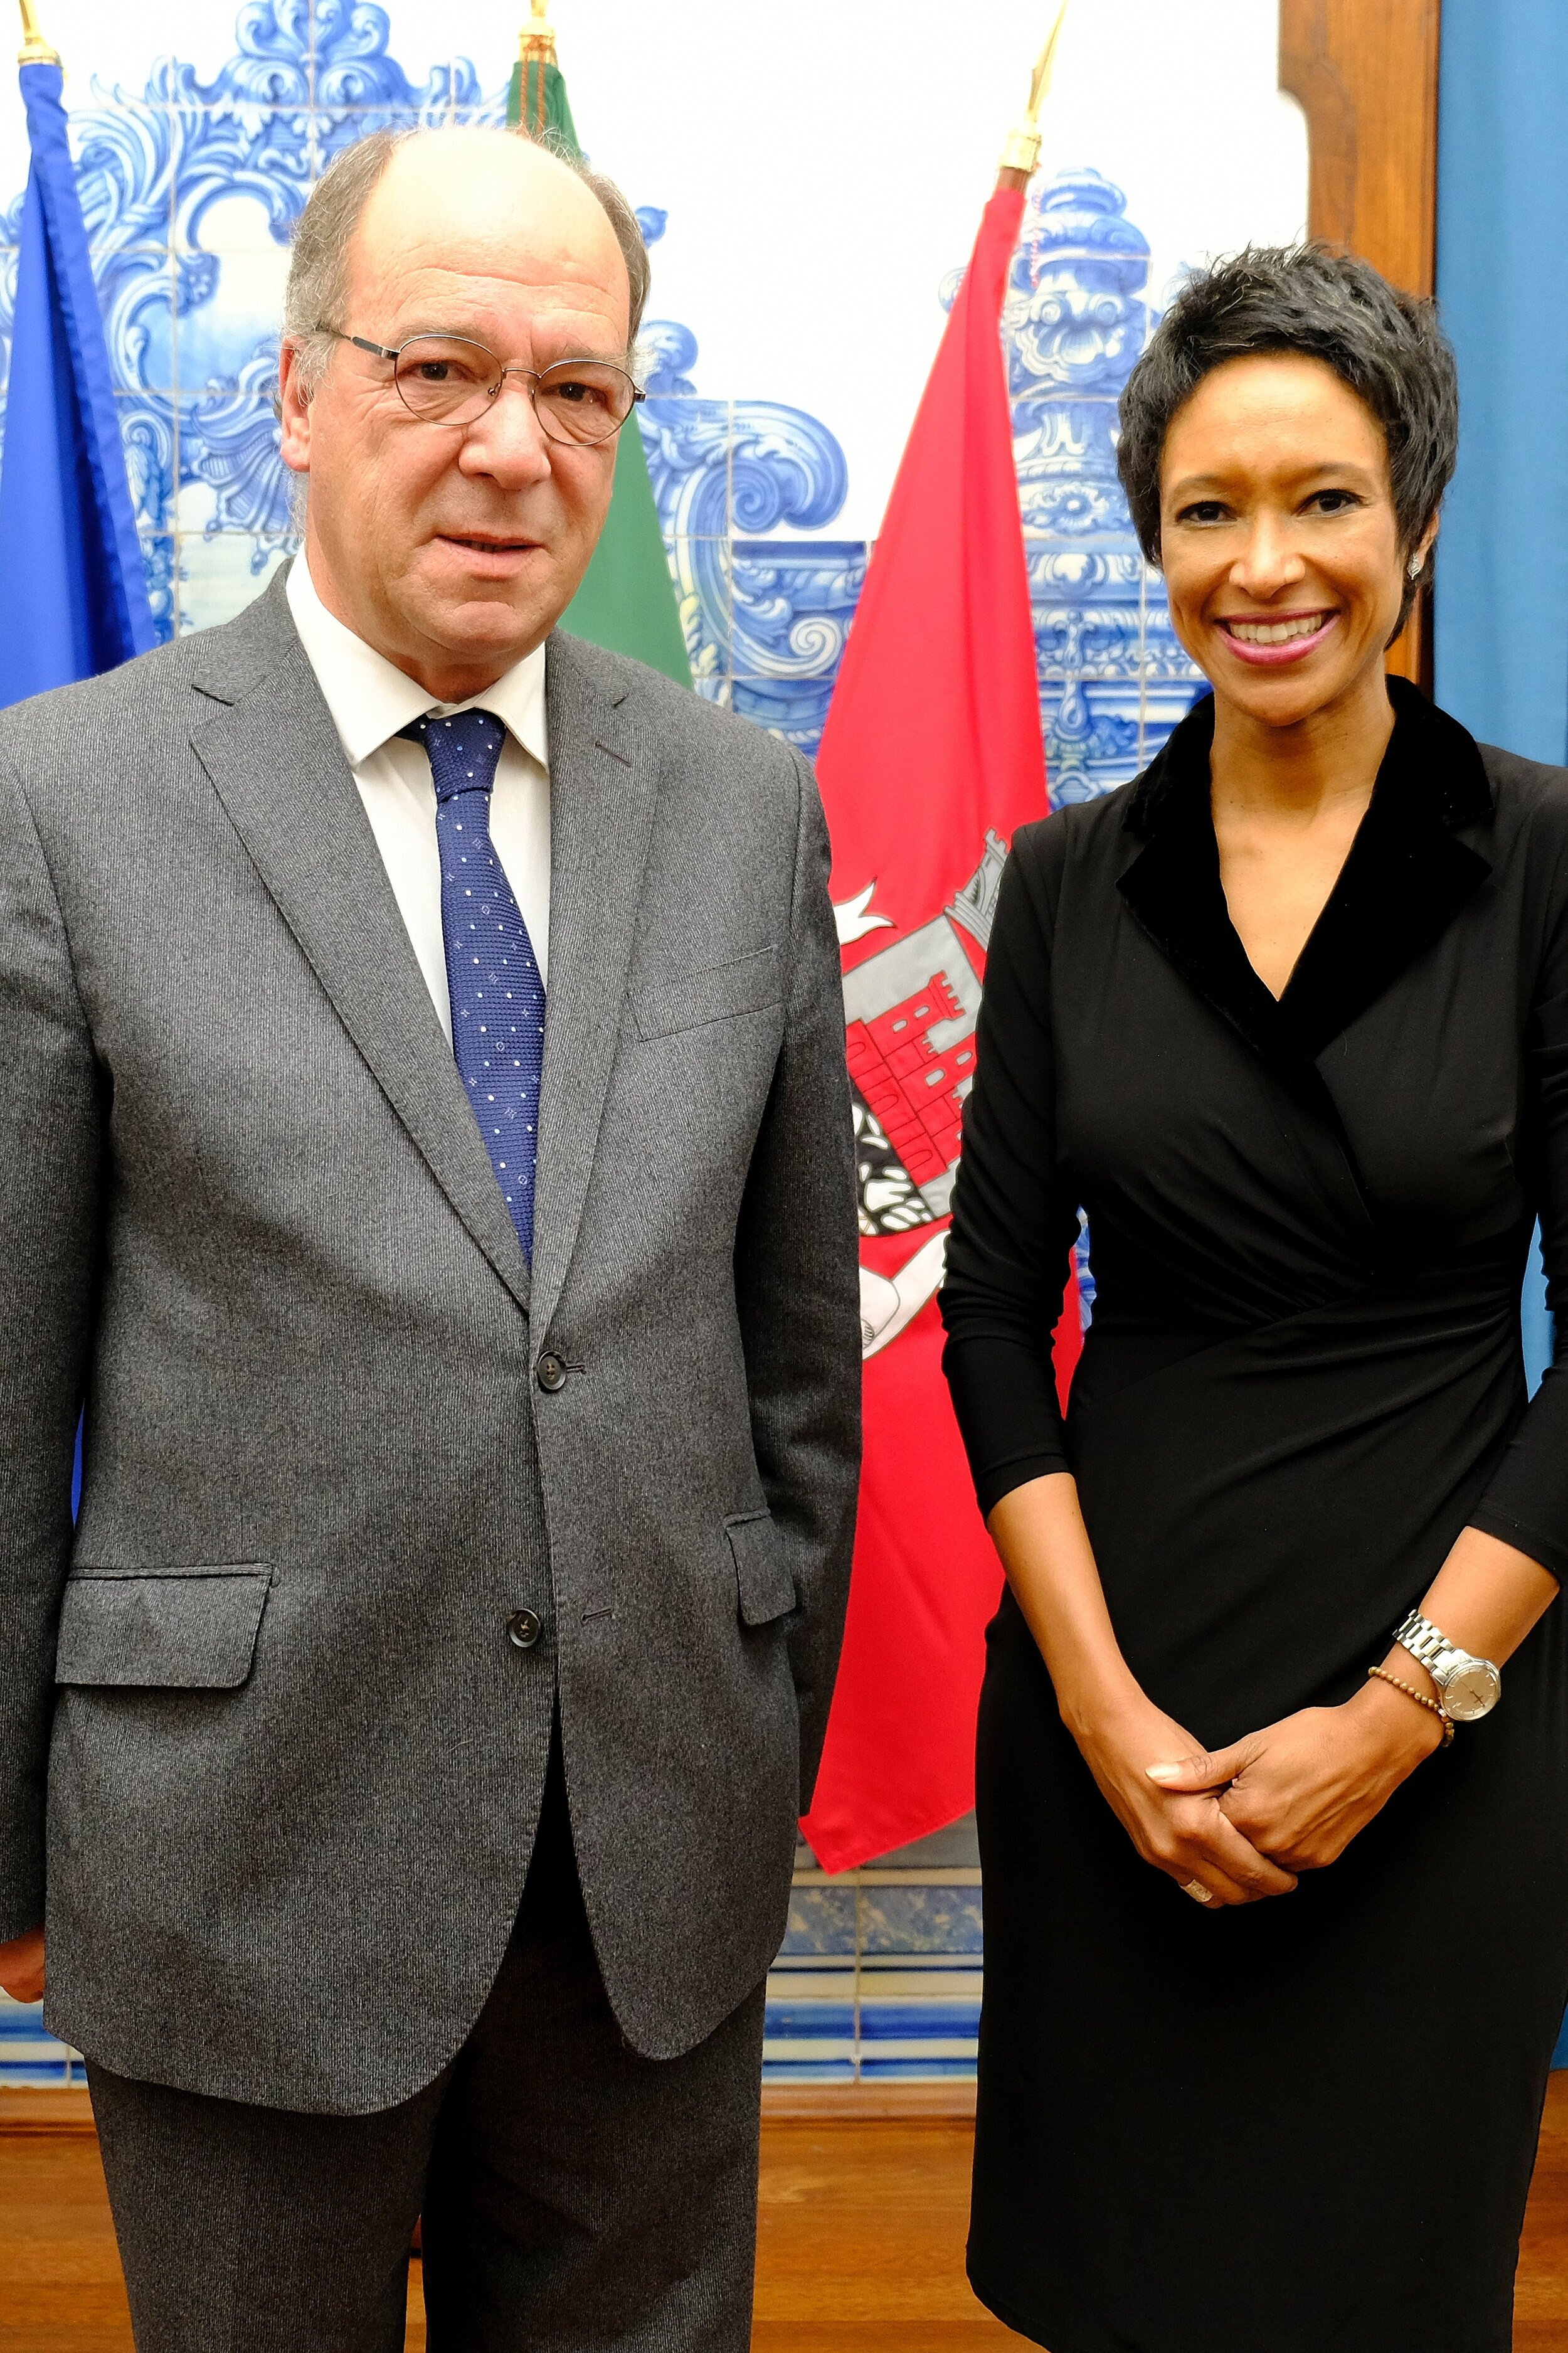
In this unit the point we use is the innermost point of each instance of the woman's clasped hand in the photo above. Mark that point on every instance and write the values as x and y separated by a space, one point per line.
1183 1829
1245 1820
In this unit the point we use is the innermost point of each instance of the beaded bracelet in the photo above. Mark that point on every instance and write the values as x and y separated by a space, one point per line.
1419 1697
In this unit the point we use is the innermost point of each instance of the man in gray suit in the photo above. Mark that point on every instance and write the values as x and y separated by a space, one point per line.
425 1153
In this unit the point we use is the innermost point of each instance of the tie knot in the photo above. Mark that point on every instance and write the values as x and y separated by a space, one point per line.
463 749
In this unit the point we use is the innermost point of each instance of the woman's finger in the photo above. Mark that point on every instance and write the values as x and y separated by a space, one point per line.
1220 1890
1199 1849
1191 1776
1221 1843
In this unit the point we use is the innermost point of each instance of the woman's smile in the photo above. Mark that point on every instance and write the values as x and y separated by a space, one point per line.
1269 639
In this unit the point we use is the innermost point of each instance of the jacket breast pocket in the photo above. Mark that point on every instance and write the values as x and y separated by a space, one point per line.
668 1001
763 1580
184 1629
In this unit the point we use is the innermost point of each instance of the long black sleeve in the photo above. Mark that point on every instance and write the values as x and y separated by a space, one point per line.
1014 1218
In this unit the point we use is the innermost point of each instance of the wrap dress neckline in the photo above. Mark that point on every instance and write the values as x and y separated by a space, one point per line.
1405 878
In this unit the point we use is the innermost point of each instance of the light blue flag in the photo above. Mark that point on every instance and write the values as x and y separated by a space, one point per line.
73 594
1537 1325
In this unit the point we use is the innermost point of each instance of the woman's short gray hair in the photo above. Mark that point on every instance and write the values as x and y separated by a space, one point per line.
317 294
1387 347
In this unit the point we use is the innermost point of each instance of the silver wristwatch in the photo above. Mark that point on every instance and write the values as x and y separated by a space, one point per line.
1469 1687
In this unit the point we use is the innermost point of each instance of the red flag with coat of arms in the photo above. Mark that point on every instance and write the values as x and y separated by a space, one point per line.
932 756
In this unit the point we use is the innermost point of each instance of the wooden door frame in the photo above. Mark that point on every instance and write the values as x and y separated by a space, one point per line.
1365 74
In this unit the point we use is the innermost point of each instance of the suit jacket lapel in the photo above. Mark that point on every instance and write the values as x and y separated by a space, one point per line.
602 798
264 735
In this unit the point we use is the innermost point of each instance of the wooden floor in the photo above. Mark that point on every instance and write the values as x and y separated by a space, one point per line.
860 2248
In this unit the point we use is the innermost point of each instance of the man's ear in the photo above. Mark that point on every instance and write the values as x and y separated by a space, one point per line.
293 410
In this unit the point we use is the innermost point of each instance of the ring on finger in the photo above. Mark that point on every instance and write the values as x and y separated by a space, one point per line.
1198 1892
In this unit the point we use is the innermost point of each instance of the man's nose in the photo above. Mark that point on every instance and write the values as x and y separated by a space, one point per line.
508 441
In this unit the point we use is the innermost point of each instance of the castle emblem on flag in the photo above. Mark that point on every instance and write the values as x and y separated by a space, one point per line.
909 1012
910 1017
909 1025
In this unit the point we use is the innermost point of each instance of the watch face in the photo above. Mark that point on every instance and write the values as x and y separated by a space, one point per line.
1471 1690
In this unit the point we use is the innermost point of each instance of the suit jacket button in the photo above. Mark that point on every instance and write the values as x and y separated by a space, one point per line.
551 1374
523 1629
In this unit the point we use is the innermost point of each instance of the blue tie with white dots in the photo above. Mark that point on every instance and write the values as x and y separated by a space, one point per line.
492 976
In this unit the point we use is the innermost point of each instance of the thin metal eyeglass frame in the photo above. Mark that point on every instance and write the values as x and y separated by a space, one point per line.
531 376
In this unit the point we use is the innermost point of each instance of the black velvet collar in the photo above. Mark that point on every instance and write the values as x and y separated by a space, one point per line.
1405 879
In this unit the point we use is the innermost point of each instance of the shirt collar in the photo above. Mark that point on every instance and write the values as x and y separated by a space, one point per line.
371 699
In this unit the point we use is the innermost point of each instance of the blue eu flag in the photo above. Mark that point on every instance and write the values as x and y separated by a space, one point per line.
73 595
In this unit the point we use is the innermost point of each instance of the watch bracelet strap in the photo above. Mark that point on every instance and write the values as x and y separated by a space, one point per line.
1425 1642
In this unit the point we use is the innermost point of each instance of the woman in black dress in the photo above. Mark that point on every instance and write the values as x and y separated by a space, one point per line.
1273 1970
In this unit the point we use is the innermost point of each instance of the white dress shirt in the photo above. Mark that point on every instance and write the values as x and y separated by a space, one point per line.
370 699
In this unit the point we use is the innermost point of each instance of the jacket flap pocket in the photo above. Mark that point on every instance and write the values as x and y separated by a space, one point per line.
684 1000
192 1629
766 1588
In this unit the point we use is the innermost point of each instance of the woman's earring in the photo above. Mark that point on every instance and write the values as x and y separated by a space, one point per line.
1413 567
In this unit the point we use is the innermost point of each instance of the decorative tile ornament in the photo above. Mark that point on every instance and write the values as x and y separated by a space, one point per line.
765 620
1114 679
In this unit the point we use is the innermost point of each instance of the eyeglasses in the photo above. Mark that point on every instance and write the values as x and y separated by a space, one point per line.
452 380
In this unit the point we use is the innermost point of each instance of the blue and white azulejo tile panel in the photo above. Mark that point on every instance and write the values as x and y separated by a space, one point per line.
810 175
30 2059
880 1976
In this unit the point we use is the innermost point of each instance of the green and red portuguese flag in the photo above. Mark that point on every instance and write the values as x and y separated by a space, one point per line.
626 601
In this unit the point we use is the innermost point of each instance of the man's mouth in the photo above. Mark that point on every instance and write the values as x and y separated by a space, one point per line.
482 545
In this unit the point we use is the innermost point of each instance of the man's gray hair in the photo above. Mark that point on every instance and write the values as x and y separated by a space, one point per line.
1387 347
317 294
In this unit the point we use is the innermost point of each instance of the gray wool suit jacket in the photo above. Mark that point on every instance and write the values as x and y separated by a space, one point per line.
264 1738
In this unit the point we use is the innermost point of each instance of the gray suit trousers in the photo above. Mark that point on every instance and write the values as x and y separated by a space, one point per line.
577 2198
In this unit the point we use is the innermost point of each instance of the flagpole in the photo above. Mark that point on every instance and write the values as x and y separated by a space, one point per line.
1021 151
36 50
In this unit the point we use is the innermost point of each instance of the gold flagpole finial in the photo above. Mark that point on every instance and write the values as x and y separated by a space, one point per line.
537 46
1021 151
536 56
36 50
